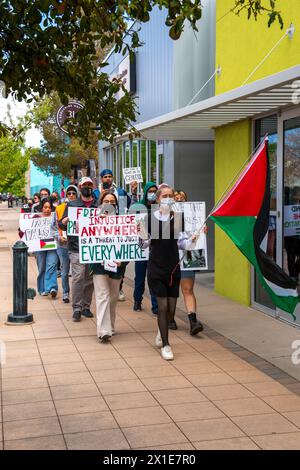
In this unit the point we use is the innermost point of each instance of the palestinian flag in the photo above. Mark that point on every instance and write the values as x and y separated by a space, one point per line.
244 215
48 244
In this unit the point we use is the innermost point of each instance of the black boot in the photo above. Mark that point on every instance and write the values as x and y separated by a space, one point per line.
137 307
196 325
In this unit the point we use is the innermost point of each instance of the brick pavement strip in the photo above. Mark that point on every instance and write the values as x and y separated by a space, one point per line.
62 389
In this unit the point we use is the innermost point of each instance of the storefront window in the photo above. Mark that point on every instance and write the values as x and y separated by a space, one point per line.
291 198
153 175
268 126
143 159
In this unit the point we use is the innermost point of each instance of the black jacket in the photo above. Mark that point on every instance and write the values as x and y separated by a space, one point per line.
73 244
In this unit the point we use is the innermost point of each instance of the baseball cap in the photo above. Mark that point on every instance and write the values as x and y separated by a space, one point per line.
84 180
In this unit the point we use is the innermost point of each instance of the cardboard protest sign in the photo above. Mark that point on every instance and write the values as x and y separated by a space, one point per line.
292 220
73 214
194 259
132 174
37 232
104 238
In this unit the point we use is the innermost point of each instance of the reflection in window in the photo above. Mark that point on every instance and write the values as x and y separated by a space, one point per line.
268 126
291 196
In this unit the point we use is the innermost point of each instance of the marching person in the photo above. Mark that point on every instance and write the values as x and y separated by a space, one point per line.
82 281
62 245
187 286
163 264
106 282
47 260
140 267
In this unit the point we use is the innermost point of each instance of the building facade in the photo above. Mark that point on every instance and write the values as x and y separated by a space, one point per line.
213 96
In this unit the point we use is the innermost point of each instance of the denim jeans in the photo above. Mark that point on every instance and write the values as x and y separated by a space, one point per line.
63 255
139 283
47 263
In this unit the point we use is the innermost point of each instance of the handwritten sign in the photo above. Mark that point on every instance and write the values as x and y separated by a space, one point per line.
37 232
104 238
73 214
132 174
194 259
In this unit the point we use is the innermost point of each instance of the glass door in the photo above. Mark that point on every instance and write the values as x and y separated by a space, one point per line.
289 240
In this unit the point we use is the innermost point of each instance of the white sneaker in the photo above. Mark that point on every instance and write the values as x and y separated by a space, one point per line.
121 296
158 340
166 353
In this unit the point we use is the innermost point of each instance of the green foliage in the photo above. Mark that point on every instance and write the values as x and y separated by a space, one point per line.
58 152
13 165
258 7
48 46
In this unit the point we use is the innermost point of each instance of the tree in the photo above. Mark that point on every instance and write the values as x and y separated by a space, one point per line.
58 153
51 45
14 160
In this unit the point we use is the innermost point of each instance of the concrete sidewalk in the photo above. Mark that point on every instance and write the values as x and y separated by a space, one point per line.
62 389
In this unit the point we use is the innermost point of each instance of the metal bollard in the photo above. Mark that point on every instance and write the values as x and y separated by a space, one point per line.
20 291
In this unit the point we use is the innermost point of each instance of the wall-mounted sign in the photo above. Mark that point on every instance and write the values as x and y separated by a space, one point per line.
126 71
67 112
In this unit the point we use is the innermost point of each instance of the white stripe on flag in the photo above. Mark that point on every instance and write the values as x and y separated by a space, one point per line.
281 291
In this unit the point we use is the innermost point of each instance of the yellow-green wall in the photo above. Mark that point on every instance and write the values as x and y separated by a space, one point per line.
241 44
232 270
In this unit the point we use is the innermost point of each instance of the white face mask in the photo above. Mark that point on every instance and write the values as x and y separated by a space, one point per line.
166 204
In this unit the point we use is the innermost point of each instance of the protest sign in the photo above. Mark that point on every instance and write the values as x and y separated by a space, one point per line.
105 238
292 220
194 220
73 214
37 233
132 174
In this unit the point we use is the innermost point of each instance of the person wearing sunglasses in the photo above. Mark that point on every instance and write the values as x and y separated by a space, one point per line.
62 246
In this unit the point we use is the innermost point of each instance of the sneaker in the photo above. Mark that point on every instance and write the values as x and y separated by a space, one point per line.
66 299
121 296
53 293
158 340
76 315
137 307
173 325
87 313
166 353
105 338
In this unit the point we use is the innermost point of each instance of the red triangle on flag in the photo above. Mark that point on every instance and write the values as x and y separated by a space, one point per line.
246 196
42 244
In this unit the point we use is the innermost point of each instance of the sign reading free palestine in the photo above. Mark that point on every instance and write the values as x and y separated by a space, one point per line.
108 237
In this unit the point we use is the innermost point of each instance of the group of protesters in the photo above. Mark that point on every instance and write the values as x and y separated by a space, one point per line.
162 270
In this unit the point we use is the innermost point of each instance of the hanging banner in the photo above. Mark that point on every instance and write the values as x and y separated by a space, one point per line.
133 174
194 259
37 232
107 238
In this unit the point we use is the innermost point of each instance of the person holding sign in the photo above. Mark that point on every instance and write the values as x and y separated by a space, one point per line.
163 265
62 249
187 286
82 282
107 277
47 259
140 267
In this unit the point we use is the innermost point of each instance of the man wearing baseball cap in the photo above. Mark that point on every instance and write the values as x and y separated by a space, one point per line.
82 281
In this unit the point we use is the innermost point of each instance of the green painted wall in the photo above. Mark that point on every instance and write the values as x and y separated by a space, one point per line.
232 270
241 44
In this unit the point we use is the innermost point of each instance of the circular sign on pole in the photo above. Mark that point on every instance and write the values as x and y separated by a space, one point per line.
67 112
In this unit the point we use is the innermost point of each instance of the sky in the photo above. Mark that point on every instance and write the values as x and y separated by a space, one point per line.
33 136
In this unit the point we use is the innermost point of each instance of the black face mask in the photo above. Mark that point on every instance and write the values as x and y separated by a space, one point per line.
86 192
